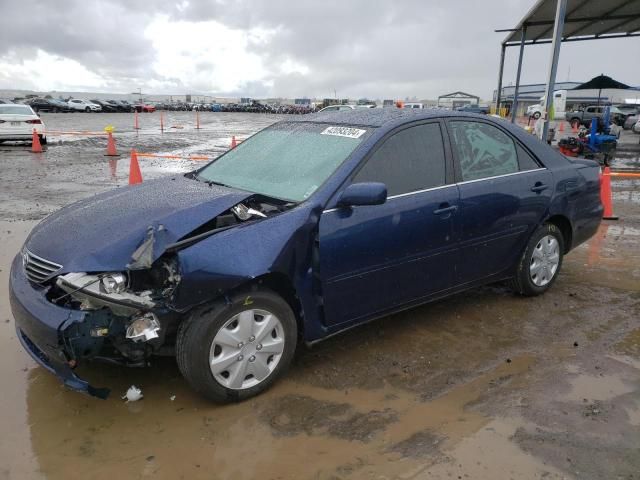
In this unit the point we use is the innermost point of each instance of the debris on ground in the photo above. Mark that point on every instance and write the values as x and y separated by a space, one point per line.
133 394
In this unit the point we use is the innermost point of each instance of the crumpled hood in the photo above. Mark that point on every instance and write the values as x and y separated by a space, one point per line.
101 233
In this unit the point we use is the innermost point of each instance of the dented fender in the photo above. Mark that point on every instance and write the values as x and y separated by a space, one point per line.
234 257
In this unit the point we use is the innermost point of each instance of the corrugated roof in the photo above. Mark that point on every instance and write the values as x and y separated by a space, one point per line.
584 19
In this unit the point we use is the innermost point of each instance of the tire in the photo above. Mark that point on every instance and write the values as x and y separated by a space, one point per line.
201 339
87 110
525 282
43 139
536 115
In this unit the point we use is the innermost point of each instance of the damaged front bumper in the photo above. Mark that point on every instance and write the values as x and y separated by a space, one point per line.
39 325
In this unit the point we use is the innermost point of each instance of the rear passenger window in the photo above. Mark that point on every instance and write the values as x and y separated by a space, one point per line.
525 160
410 160
482 150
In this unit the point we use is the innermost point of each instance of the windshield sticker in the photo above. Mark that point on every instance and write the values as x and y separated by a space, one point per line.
343 132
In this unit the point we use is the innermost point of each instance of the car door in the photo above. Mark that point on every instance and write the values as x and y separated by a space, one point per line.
504 194
376 258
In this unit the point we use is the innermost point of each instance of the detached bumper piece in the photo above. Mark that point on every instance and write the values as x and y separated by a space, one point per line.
61 370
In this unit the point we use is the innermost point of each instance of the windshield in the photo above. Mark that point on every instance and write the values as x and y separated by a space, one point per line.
287 161
15 110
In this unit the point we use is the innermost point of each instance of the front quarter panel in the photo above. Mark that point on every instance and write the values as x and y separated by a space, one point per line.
226 260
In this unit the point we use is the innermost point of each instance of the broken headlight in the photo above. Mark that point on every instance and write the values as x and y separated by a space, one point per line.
113 283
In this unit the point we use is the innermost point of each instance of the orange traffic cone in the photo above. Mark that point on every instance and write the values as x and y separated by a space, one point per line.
561 126
35 143
111 147
605 195
135 176
234 143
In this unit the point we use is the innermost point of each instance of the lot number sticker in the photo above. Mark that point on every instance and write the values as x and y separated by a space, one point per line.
343 132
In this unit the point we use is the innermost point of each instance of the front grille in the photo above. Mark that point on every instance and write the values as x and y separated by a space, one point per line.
38 269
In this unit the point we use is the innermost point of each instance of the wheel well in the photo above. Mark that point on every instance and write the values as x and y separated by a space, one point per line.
564 225
281 285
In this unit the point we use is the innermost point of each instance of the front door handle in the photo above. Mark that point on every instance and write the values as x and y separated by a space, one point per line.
539 187
445 208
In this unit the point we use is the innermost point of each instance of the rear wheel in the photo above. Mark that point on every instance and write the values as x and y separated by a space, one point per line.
230 351
43 139
540 263
536 115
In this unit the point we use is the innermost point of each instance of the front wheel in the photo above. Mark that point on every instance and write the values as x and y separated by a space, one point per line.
536 115
540 263
230 351
87 109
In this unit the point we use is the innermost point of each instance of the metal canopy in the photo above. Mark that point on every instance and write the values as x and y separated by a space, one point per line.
557 21
584 20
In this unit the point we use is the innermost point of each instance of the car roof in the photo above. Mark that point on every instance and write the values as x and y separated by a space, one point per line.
377 117
389 118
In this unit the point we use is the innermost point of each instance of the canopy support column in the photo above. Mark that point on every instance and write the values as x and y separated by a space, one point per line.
514 107
558 29
500 72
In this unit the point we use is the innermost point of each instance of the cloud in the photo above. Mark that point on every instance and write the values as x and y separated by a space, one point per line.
359 48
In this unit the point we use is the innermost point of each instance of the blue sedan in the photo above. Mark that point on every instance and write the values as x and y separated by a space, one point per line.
311 226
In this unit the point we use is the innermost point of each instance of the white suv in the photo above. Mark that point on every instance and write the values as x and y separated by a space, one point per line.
83 105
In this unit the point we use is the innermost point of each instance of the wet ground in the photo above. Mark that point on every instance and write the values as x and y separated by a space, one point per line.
484 385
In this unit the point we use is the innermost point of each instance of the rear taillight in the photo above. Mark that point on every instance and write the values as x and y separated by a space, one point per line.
36 121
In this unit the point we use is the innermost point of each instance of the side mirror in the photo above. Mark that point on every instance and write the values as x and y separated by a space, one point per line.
365 193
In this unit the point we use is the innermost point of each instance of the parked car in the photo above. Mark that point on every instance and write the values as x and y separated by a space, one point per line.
47 105
474 108
630 121
5 101
17 122
413 105
583 117
144 107
106 106
234 263
629 109
83 105
122 105
337 108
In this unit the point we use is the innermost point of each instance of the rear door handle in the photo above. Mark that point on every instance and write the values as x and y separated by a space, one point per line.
445 208
539 187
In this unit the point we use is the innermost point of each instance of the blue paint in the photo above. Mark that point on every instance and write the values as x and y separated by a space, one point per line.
346 264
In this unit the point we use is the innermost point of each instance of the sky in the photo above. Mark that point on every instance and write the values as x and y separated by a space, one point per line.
283 48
